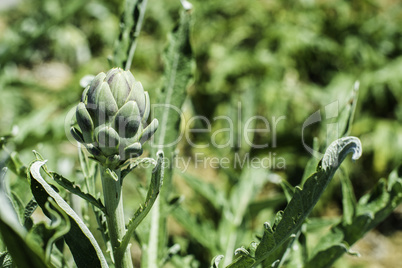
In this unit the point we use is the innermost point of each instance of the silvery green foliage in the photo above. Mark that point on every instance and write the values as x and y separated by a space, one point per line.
276 237
112 118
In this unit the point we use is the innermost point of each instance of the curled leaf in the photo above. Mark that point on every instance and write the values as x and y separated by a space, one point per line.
82 244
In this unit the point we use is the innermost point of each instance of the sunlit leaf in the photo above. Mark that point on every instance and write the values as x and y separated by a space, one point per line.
82 244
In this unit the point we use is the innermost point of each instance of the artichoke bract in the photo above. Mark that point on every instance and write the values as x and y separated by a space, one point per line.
112 118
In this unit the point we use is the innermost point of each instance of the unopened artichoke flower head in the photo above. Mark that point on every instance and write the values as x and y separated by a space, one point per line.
112 118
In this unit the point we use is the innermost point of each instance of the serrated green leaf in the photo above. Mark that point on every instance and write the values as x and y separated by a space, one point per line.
82 244
269 239
76 189
274 259
143 210
305 199
279 255
178 71
242 259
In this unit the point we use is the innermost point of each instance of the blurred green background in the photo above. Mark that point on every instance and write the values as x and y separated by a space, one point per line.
279 58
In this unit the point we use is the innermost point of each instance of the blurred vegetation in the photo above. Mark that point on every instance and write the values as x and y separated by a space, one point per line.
279 58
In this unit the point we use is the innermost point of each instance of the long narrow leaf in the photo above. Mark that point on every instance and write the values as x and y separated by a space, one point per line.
178 62
82 244
75 189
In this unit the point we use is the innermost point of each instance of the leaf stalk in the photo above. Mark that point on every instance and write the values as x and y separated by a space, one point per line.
112 193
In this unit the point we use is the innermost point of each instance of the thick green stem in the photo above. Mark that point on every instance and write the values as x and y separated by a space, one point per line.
112 193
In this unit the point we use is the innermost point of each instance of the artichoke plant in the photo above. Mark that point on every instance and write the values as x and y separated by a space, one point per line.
112 118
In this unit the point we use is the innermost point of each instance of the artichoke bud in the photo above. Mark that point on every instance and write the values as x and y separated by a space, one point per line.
111 116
